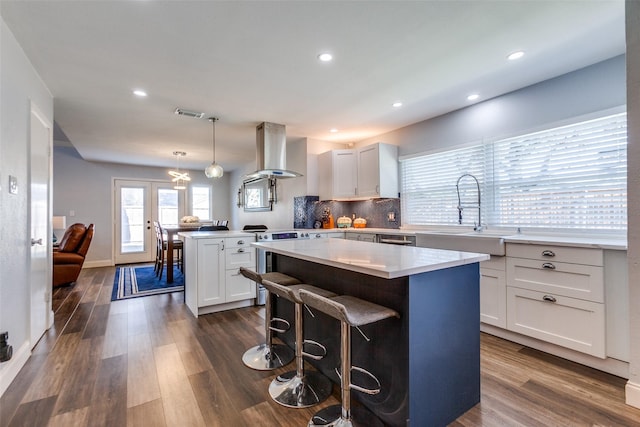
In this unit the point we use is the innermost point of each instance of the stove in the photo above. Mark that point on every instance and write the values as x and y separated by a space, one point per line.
273 236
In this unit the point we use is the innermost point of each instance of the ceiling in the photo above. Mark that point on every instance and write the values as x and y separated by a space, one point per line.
248 62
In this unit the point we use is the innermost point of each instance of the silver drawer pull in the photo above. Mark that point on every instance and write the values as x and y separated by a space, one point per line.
548 298
548 266
241 242
240 250
550 254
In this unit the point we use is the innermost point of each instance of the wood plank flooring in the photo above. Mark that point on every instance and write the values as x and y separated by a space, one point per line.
149 362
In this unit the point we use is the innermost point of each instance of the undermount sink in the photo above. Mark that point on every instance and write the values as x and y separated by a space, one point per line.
486 242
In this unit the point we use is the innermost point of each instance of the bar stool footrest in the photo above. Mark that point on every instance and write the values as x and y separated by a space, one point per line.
277 320
359 388
311 355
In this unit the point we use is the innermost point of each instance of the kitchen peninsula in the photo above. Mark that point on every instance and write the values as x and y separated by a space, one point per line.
428 361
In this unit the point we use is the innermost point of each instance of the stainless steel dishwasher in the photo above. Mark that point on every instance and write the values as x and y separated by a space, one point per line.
397 239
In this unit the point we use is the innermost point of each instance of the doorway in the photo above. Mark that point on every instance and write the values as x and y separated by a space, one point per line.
40 266
137 204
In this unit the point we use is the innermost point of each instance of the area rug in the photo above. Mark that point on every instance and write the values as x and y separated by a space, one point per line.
133 282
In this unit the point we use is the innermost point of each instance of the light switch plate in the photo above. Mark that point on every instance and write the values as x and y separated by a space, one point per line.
13 184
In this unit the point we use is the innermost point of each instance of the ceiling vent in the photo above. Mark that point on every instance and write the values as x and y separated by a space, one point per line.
188 113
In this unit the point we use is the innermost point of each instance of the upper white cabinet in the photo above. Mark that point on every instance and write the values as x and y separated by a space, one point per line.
361 173
378 171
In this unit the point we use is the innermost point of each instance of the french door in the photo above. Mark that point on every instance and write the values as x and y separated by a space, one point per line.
137 205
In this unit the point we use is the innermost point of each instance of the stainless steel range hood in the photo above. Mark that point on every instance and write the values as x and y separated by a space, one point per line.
271 147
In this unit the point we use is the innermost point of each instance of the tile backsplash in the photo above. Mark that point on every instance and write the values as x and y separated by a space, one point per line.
379 213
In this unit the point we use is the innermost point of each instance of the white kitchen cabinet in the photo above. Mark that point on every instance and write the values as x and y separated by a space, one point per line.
238 253
362 173
556 294
378 171
493 292
338 174
212 273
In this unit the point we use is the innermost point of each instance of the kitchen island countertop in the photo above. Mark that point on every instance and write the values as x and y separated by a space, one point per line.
385 261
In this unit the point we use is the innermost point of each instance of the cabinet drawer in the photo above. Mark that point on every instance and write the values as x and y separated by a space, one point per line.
556 253
571 280
240 257
568 322
238 287
238 242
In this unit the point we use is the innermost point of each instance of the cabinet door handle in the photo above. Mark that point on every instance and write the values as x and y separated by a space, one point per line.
548 266
548 298
240 250
241 242
550 254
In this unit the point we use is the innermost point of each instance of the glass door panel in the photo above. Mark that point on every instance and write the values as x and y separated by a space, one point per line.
133 241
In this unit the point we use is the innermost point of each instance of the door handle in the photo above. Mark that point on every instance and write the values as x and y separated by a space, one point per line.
548 253
548 298
36 242
548 266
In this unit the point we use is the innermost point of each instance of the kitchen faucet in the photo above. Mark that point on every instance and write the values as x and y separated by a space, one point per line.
478 226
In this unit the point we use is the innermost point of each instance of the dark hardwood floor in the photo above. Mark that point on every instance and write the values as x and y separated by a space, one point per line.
149 362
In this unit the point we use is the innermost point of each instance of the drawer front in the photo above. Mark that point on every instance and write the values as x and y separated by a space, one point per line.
495 262
240 257
568 322
570 280
556 253
238 242
238 287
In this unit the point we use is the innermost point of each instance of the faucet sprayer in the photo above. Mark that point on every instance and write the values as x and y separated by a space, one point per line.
478 226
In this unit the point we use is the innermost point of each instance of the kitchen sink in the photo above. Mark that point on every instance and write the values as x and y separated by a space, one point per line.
487 242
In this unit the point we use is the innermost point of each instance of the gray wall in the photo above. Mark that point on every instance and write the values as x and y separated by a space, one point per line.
595 88
20 86
87 188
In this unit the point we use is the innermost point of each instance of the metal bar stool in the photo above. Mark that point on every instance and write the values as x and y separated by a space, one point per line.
268 356
300 389
350 311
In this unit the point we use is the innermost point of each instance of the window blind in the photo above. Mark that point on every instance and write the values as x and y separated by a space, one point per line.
569 177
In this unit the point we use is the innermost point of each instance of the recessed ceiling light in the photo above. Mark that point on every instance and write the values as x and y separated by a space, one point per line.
140 93
325 57
334 130
515 55
397 104
473 97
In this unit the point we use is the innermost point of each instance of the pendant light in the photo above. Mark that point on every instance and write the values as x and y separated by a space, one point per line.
214 170
180 178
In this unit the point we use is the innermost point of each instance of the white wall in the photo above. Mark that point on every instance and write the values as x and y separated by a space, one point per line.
19 87
86 188
633 182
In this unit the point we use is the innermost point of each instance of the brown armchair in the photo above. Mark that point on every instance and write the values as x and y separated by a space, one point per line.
69 256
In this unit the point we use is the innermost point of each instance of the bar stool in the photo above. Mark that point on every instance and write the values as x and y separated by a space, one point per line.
350 311
299 389
268 356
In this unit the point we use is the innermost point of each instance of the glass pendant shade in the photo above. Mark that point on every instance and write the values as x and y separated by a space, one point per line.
214 170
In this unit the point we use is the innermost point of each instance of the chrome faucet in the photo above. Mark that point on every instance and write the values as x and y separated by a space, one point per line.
477 226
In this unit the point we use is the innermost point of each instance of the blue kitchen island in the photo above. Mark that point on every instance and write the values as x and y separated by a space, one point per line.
428 361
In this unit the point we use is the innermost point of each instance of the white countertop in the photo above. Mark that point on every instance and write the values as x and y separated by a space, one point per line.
386 261
215 234
595 241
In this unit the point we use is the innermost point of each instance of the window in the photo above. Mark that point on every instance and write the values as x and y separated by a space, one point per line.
201 202
569 177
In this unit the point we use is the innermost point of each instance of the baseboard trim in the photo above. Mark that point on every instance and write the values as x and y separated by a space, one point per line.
98 263
9 370
632 394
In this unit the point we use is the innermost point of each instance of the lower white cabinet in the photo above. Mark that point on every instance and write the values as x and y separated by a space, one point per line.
212 273
569 322
556 294
493 292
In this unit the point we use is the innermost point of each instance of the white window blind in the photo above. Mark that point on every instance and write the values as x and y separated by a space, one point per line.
569 177
428 194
